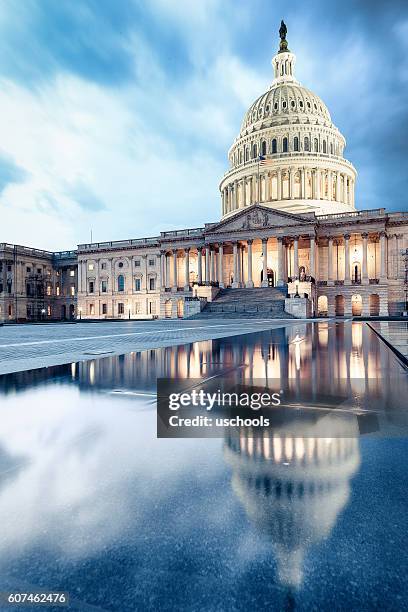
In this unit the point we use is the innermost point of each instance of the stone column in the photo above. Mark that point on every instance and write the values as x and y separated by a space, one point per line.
291 183
221 265
267 187
347 280
264 262
393 273
318 182
296 256
330 185
207 264
249 282
162 269
235 195
383 262
279 181
244 188
330 280
313 257
338 195
364 276
240 265
212 274
174 285
303 182
200 264
187 269
235 283
280 280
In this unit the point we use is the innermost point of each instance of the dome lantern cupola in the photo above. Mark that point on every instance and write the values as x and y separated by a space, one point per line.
284 61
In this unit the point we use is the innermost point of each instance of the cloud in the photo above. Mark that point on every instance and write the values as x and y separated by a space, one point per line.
10 172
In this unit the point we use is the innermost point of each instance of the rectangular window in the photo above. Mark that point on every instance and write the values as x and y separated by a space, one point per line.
38 270
72 290
138 285
8 268
28 270
72 272
151 284
103 266
151 262
1 288
58 290
91 309
104 309
91 286
91 267
9 286
152 308
104 286
48 289
137 263
137 308
121 308
49 311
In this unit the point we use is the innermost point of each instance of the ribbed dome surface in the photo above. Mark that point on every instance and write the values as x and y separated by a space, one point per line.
286 103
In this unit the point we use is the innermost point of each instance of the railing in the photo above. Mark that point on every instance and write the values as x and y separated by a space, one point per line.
65 254
357 213
118 244
196 231
280 155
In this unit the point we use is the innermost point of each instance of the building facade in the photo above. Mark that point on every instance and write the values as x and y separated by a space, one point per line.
288 220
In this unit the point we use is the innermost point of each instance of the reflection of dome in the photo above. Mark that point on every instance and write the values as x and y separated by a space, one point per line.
303 169
294 488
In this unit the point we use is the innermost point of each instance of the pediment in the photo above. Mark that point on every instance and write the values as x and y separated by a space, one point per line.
258 217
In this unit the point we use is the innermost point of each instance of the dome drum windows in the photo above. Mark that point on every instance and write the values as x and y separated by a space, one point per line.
285 145
306 144
274 146
296 143
263 147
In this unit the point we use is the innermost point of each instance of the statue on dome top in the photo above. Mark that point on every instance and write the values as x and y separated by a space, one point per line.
283 30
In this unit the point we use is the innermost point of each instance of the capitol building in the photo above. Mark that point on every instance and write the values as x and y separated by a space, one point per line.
289 242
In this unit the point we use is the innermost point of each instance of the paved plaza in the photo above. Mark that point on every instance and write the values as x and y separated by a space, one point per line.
23 347
395 333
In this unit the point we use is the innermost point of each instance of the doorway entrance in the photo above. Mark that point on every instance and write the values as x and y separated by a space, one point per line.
270 277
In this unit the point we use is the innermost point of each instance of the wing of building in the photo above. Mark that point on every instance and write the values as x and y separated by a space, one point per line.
290 241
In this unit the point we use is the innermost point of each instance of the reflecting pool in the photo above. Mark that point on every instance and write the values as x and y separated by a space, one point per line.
92 503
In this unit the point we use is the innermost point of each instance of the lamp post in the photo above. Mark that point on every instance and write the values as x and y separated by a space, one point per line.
43 313
80 314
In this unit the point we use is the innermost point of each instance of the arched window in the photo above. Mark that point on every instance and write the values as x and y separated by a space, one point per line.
254 151
306 143
296 143
274 146
331 148
121 282
240 157
247 154
263 148
316 145
285 145
324 146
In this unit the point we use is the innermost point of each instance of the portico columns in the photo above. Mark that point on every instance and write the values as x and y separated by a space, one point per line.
330 280
207 264
312 257
249 282
347 280
291 183
383 244
162 269
187 269
200 264
365 279
264 262
235 282
280 262
279 180
221 265
174 286
296 256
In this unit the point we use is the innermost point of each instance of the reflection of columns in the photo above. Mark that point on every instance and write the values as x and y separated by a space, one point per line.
264 262
249 282
200 264
174 286
347 280
383 245
280 262
187 269
221 265
330 280
235 272
312 256
162 269
364 279
296 256
207 264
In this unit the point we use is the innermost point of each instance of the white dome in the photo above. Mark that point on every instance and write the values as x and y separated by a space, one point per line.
289 132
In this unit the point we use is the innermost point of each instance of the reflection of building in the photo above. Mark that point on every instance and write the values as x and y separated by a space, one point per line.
293 488
287 216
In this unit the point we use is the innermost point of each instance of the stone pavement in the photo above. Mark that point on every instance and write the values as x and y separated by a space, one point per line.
395 333
23 347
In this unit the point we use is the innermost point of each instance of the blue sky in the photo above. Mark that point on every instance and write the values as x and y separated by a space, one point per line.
117 115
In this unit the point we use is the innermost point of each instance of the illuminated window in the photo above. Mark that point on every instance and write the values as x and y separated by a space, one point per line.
58 290
72 272
72 290
91 266
48 289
